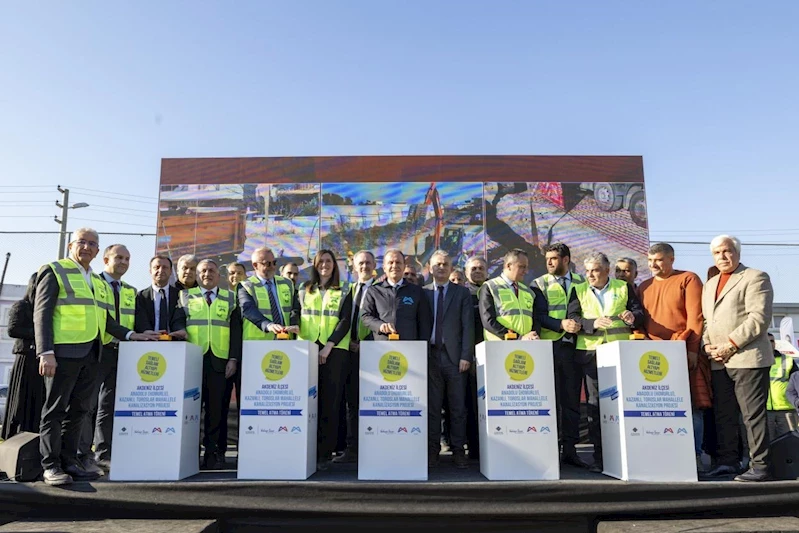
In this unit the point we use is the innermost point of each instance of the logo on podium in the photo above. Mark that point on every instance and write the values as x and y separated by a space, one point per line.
393 366
275 365
151 367
519 365
653 366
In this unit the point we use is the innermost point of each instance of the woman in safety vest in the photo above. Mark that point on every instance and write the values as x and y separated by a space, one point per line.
325 319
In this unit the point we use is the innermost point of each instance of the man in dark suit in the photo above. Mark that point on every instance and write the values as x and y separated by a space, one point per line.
395 305
476 270
70 319
451 354
157 305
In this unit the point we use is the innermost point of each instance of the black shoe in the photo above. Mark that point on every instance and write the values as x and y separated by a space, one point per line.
89 465
459 458
78 473
432 460
754 475
722 470
323 464
349 456
573 459
596 468
211 462
55 477
220 458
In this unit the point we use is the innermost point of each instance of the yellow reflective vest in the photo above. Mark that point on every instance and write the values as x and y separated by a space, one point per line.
779 374
615 303
208 326
80 312
127 307
557 300
515 313
320 314
285 294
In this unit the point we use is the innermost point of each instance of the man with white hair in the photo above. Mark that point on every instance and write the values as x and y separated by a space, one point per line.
607 310
736 305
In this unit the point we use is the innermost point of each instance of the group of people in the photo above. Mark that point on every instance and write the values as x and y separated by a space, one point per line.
78 318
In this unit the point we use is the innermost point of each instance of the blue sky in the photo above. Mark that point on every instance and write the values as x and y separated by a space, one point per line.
94 94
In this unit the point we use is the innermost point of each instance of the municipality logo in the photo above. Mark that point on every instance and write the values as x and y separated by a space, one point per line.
296 429
170 431
283 429
123 431
250 430
369 431
416 431
312 392
668 430
682 431
498 430
402 430
481 393
516 431
531 429
635 432
545 429
156 430
407 300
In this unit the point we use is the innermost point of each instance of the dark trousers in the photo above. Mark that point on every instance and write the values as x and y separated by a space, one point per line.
332 375
472 425
213 399
444 378
741 392
586 360
68 397
234 380
352 396
99 428
568 381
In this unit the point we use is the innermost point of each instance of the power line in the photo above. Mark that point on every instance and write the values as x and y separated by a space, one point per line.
113 192
113 198
775 244
113 222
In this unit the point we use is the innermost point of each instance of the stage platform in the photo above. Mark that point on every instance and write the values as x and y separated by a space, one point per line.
452 497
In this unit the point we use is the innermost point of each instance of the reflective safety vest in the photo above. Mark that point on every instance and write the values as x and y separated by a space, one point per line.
557 300
514 313
615 303
779 374
320 314
208 326
363 331
80 311
256 289
127 307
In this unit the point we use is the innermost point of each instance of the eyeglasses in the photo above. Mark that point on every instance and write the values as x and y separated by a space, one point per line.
90 244
266 263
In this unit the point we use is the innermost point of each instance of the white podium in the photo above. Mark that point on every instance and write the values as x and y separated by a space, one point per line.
392 417
518 419
645 408
157 412
278 411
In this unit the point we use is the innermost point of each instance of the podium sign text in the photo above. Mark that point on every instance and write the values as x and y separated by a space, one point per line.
157 412
517 418
392 443
278 412
645 408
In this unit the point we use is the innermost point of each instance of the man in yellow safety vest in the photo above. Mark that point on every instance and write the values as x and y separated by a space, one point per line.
607 310
506 304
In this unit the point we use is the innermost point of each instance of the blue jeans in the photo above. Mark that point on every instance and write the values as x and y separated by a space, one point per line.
698 416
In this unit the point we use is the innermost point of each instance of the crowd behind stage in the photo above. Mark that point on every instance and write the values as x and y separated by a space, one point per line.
72 319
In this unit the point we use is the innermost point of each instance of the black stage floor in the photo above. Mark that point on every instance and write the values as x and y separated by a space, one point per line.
451 497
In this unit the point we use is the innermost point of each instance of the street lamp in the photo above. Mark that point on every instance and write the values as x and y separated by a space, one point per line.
64 205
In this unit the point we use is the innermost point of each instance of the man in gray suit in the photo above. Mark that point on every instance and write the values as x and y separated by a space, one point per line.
450 357
736 305
73 309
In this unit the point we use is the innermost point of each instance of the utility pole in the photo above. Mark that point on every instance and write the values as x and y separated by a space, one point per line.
64 205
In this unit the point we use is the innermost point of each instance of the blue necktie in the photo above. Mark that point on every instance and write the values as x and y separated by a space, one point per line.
276 316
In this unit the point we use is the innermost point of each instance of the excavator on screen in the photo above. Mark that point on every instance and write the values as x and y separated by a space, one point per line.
416 218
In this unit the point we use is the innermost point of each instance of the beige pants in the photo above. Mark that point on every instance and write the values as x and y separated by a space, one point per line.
782 422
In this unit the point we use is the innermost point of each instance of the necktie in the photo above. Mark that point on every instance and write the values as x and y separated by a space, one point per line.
163 320
208 298
562 281
439 317
115 285
356 312
276 316
515 289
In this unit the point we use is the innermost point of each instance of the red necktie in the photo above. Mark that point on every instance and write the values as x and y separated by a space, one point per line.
515 289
